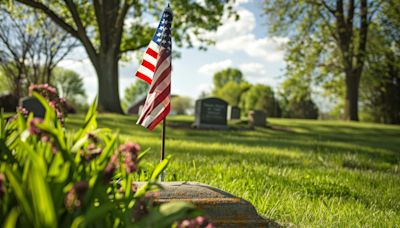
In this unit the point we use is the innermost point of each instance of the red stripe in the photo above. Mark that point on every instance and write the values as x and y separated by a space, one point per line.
143 77
160 117
163 75
152 53
155 103
148 65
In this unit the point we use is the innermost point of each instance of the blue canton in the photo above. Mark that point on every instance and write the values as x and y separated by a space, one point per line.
163 34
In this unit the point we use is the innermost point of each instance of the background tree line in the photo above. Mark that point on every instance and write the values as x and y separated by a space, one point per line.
230 85
349 48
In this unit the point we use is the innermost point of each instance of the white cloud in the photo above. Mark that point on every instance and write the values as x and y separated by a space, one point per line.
211 68
253 69
238 36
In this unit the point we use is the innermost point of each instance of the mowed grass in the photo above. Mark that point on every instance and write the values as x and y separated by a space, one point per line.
299 172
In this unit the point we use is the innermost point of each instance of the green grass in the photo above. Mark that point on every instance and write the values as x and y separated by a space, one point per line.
300 172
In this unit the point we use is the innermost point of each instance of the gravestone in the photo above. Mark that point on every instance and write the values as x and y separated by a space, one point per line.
222 209
31 104
257 118
233 113
211 113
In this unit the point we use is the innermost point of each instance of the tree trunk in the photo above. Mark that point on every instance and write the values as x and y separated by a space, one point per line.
351 99
107 74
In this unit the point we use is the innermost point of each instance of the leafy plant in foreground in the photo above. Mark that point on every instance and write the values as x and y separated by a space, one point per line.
50 178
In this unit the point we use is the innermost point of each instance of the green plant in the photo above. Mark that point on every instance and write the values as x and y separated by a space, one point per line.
53 178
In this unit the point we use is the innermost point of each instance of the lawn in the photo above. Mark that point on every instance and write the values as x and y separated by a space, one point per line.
299 172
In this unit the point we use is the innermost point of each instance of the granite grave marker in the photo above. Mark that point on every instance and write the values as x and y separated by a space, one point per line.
31 104
211 113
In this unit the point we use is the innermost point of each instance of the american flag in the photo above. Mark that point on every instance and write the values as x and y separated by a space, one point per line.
156 71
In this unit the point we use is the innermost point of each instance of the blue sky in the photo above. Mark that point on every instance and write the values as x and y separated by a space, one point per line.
242 44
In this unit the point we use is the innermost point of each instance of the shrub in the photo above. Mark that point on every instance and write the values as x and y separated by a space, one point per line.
51 178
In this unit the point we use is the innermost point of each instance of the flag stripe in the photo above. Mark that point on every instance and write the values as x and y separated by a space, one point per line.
152 53
156 101
148 65
157 111
160 117
143 77
160 79
150 59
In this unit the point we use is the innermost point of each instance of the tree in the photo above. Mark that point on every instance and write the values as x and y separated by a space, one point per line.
295 99
326 36
31 47
380 87
232 92
181 104
228 75
260 97
136 90
102 29
69 83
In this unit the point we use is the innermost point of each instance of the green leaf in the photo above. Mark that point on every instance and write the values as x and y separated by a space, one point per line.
42 201
160 168
90 122
107 151
16 185
12 218
168 213
96 213
142 154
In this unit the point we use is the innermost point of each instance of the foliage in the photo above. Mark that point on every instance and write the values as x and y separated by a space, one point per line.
52 178
295 99
70 86
227 75
380 88
181 105
232 92
69 83
303 173
229 85
260 97
328 41
135 91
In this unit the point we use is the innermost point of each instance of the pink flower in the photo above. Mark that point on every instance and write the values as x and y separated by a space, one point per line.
75 196
33 129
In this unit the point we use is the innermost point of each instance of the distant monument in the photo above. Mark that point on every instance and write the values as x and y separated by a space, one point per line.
233 113
211 113
31 104
257 118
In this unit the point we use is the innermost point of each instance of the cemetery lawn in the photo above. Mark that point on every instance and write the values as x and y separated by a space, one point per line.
300 172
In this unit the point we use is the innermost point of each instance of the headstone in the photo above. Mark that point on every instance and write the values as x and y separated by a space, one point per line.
211 113
31 104
222 209
257 118
233 113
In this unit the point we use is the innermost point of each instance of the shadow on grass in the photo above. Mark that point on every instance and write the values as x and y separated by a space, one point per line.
314 137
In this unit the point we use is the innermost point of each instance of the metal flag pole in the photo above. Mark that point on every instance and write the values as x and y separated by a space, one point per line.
163 146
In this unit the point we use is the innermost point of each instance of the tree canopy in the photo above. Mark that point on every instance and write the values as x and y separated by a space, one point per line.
328 40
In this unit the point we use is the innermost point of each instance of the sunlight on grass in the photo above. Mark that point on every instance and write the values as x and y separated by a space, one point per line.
300 172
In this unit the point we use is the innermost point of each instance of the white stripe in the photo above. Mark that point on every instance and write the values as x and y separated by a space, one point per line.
146 71
150 59
156 112
153 45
